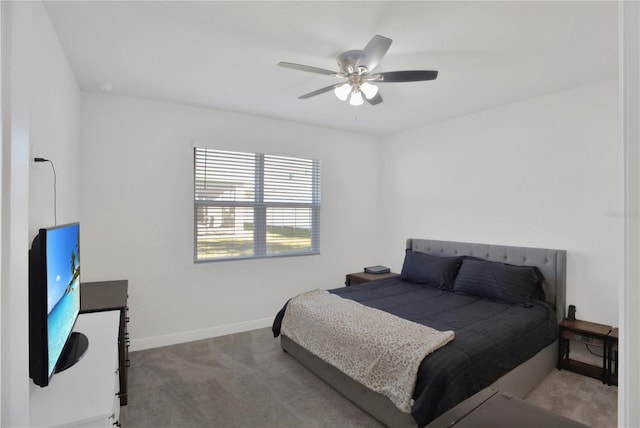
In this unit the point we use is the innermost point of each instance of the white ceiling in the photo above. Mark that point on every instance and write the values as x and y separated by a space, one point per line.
224 54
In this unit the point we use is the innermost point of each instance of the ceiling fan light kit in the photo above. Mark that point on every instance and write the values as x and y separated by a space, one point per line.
356 66
369 90
342 91
356 98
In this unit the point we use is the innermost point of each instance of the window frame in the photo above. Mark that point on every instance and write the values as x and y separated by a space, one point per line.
260 207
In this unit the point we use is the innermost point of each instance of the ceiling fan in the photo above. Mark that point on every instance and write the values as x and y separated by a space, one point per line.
356 67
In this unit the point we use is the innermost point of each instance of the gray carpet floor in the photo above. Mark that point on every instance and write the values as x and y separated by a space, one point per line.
578 397
245 380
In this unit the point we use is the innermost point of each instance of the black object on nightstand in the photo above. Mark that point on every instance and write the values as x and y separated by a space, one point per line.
377 270
111 296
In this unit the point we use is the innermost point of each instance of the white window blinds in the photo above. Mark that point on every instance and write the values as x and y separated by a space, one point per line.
254 205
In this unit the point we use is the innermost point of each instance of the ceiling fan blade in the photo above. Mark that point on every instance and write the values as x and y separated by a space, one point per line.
408 76
374 51
318 91
308 68
377 99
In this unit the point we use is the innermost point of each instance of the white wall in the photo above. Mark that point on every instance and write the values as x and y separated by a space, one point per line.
137 215
44 101
54 130
545 172
15 77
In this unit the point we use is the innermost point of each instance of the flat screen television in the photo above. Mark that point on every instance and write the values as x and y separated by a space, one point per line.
54 302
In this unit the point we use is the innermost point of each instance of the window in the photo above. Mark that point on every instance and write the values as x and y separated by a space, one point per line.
250 205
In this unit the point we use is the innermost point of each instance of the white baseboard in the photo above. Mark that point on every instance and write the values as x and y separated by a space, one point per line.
205 333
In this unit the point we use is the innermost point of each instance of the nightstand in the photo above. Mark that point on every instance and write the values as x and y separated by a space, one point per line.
589 333
360 277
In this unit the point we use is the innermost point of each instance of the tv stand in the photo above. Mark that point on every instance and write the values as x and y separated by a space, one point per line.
73 350
85 395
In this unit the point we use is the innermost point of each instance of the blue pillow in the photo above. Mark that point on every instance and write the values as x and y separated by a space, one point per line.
499 281
434 271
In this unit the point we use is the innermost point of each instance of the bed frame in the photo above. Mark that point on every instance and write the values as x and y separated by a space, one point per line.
519 382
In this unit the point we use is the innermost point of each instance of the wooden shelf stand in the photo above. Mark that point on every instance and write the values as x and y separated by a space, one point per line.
591 334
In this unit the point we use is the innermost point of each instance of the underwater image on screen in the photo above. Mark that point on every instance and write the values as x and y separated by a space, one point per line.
63 287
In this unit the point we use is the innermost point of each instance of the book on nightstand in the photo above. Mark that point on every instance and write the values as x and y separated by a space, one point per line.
377 269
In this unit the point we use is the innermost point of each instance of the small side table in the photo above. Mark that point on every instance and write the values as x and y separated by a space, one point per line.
360 277
586 332
612 357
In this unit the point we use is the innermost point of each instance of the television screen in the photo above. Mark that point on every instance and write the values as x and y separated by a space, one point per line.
63 287
54 302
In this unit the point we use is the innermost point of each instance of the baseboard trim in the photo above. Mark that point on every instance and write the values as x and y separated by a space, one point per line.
205 333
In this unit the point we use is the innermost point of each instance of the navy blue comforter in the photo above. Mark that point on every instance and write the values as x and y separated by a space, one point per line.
491 338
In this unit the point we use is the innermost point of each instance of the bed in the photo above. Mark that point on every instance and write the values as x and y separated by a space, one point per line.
508 345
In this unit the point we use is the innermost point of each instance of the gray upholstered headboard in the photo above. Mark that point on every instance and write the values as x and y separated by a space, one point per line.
552 263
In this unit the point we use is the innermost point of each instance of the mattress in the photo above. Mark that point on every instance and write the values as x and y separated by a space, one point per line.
491 337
